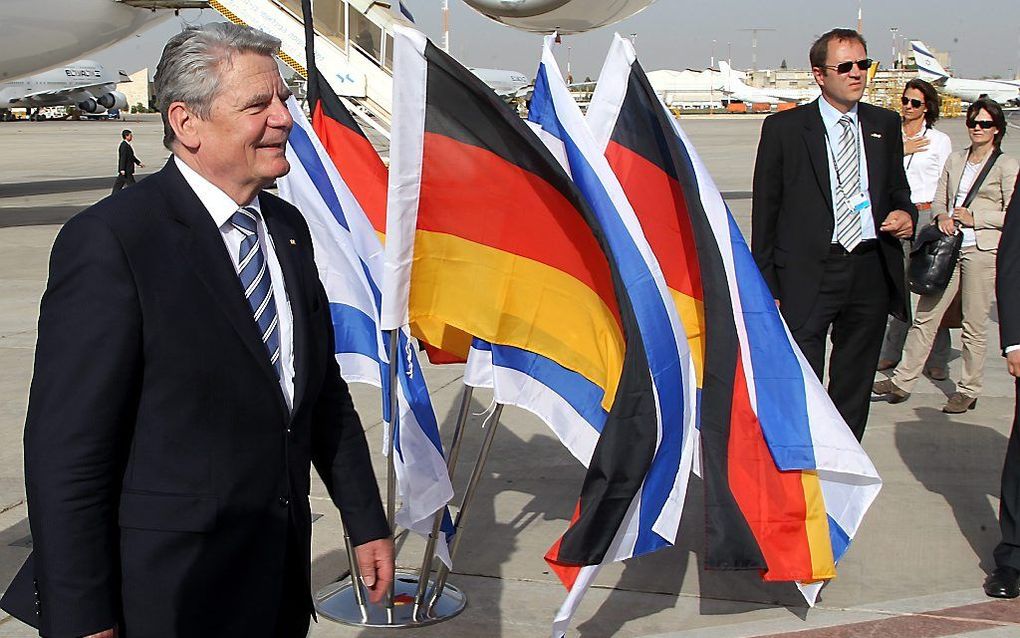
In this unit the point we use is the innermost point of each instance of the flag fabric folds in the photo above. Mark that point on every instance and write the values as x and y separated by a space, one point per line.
653 516
780 457
491 249
342 192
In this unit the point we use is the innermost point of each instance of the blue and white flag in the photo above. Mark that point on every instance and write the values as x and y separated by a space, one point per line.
349 256
653 518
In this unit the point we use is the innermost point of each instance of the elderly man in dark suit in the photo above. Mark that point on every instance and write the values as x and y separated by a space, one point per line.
830 204
1005 580
185 382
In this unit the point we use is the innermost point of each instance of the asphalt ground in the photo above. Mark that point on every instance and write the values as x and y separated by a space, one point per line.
915 570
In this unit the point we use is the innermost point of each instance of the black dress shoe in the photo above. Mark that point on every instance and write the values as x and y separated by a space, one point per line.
1003 583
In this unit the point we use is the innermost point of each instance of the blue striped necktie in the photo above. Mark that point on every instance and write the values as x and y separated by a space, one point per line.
257 284
848 171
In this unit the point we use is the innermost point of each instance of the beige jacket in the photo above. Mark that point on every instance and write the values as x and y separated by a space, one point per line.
989 206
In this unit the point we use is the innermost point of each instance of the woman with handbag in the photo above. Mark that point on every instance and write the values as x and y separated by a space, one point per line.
925 151
975 187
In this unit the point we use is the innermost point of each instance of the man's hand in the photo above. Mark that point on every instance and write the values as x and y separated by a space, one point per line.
140 165
375 559
898 224
1013 363
915 145
109 633
121 172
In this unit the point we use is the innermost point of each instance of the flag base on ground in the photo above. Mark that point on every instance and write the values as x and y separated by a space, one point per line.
339 602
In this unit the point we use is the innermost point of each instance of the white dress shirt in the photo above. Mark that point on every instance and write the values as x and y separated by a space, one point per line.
833 133
221 207
924 168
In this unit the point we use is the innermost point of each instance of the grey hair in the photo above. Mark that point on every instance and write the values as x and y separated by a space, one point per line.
189 69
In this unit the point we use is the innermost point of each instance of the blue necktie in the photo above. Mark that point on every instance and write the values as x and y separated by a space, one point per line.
257 284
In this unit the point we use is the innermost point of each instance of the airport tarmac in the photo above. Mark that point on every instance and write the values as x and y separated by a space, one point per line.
915 570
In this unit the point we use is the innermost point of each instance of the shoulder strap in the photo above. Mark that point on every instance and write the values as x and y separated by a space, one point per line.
972 193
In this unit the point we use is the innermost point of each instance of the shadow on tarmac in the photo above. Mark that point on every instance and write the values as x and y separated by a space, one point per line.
962 462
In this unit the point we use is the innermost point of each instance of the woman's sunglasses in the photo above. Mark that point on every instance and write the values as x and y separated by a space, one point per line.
912 102
983 124
844 67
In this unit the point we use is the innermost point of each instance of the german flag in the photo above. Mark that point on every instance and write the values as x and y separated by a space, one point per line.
488 238
779 496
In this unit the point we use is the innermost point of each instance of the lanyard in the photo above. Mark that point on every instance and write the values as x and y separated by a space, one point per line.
835 164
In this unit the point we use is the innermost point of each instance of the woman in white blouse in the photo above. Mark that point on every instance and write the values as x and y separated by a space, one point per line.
925 151
981 225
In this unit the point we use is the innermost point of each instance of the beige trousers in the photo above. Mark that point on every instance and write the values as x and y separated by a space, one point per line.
975 276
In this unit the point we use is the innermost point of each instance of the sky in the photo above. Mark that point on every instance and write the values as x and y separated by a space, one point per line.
984 40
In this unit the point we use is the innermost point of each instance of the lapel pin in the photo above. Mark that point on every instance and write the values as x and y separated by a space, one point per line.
293 243
878 135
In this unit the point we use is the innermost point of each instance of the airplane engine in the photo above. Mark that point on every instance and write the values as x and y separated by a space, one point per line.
89 106
113 100
565 16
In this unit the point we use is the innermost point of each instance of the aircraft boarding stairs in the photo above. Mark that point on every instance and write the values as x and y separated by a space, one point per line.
353 47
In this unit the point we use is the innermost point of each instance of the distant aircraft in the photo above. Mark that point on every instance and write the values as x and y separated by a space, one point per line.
928 68
84 84
38 35
736 90
506 84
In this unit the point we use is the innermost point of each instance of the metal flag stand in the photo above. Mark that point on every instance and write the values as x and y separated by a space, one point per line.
345 601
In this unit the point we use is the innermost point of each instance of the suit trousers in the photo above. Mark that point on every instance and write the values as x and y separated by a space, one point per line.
975 276
122 181
853 302
1007 553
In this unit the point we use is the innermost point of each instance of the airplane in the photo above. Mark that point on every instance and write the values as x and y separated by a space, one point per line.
39 35
735 88
85 84
564 16
506 84
928 68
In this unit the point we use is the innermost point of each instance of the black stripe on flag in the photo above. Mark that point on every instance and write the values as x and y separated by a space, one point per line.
643 128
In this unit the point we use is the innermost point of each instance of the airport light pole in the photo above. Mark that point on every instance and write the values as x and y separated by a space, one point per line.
754 44
446 26
895 57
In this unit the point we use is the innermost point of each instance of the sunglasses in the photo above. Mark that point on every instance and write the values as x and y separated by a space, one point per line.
912 102
844 67
982 124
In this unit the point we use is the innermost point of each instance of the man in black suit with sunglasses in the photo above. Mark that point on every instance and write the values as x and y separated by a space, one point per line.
830 204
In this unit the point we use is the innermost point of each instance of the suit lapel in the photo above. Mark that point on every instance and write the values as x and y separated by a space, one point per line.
955 167
203 249
814 138
284 237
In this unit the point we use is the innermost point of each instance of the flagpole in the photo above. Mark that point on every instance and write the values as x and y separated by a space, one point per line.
451 466
476 474
391 471
359 596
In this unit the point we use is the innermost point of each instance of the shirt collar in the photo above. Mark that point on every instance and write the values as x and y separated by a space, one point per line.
220 206
831 116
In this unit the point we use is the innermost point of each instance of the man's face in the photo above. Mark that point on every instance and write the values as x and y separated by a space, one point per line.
842 88
129 137
243 140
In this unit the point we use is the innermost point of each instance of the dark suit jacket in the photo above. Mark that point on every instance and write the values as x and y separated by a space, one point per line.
1007 274
163 468
126 159
792 220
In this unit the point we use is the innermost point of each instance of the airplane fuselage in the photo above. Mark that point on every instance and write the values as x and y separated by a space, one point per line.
85 84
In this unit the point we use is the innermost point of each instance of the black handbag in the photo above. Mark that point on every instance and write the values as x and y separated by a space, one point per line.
934 254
